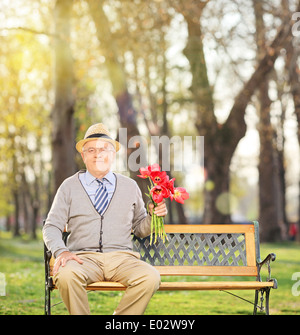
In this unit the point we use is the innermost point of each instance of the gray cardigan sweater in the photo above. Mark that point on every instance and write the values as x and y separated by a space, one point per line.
72 208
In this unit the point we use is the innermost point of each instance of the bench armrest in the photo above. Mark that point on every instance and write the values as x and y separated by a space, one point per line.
270 258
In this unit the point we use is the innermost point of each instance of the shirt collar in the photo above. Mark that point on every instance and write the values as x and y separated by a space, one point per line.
110 177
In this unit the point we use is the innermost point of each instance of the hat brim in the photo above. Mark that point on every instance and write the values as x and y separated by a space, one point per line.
80 144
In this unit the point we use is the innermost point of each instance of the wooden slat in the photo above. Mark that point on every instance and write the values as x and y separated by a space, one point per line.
210 229
106 286
187 286
204 270
207 270
180 286
250 249
51 265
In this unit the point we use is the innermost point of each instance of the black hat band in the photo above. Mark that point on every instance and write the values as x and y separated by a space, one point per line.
99 136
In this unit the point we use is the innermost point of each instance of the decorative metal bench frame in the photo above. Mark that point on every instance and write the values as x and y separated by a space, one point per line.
197 250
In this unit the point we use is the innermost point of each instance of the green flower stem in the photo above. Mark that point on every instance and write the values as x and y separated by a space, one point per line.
156 227
157 223
151 234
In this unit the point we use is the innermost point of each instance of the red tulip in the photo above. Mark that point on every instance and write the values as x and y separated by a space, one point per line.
158 193
169 184
158 177
180 194
148 170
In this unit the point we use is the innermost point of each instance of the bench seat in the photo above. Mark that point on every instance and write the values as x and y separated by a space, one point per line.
188 286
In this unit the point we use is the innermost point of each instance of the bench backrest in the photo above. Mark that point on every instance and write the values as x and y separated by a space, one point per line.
201 250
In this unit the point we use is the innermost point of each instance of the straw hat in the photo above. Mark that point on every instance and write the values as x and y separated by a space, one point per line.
97 132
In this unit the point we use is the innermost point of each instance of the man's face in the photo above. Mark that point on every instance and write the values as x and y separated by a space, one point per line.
98 157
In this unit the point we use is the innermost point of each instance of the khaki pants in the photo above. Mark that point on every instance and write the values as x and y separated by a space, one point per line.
142 280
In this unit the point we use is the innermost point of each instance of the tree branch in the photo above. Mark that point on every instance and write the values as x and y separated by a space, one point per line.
236 120
32 31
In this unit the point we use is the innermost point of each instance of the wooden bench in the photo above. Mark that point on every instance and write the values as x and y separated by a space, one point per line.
198 250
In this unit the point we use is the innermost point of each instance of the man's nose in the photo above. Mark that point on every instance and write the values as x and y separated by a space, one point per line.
99 151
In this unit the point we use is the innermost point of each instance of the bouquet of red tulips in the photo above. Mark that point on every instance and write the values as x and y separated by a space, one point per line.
161 188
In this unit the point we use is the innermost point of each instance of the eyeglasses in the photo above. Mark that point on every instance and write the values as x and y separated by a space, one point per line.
92 151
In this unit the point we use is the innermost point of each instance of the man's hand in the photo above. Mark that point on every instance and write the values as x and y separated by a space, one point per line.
62 259
160 209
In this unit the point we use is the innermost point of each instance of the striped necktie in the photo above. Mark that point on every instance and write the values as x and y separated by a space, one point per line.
101 198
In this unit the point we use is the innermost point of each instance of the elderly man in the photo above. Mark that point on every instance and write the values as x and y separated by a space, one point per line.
100 210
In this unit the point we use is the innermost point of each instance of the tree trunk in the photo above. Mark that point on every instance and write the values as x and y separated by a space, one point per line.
15 189
280 150
63 130
127 113
17 213
222 140
270 212
292 56
215 159
269 206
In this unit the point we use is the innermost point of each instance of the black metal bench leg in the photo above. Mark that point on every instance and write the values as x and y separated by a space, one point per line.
47 300
264 301
267 301
255 302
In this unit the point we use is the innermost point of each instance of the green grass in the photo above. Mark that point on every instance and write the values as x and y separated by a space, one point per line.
21 261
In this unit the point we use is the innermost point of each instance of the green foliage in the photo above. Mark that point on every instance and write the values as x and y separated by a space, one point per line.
24 103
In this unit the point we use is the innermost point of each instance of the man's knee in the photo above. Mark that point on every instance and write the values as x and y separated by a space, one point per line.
68 275
152 278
